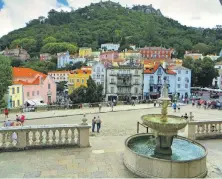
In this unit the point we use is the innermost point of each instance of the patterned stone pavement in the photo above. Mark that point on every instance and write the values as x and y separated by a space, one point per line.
104 158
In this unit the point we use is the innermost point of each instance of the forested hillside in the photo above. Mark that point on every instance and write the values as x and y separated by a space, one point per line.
109 22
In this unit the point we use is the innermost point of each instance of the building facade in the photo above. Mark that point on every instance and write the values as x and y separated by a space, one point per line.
59 76
63 59
45 56
156 52
15 96
194 56
78 78
85 52
111 55
154 78
110 47
99 75
36 85
124 83
183 81
18 53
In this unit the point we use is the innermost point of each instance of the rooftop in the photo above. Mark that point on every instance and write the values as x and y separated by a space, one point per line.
152 70
176 67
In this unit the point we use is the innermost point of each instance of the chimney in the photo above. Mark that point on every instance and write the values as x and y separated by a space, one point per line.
164 65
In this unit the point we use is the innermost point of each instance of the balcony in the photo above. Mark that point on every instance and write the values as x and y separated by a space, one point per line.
136 83
112 83
123 93
136 75
124 75
124 84
112 74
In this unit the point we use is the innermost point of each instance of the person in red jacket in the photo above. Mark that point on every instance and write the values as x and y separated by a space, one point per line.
6 112
22 119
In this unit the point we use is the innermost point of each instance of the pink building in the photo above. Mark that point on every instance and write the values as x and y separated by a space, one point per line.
110 55
36 85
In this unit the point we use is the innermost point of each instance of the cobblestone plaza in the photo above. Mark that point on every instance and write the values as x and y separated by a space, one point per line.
104 157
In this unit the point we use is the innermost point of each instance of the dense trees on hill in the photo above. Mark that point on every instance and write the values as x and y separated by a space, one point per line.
109 22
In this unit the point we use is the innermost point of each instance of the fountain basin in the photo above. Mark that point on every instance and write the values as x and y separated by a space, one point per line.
173 124
188 158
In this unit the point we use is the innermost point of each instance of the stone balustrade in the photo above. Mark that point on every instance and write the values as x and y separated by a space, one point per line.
204 130
41 136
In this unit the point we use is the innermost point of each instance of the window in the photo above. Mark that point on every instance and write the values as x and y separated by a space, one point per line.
98 69
112 80
178 79
112 89
136 72
187 80
102 70
98 76
13 104
136 81
49 86
27 94
94 76
77 80
18 103
102 76
186 85
178 85
186 72
17 89
33 93
37 93
179 72
136 90
82 81
13 90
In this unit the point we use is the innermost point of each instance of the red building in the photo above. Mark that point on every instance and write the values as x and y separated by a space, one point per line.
156 52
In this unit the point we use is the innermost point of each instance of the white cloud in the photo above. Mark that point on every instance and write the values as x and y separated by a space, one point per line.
198 13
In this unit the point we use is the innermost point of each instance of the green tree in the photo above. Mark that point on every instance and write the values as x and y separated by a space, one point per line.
202 48
61 86
49 40
54 48
16 62
28 44
5 78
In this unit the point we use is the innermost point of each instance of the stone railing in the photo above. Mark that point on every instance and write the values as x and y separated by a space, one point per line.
204 129
43 136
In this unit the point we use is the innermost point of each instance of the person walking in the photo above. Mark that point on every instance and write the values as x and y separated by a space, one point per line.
174 107
98 124
154 104
93 123
6 113
186 116
178 107
100 107
193 103
112 104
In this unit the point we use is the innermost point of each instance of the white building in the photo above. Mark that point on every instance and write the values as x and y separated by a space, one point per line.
110 47
124 83
99 75
154 78
59 76
183 81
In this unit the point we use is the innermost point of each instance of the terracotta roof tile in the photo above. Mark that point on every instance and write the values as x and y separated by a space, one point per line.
154 69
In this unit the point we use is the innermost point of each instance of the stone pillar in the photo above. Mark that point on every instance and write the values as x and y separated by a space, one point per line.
191 131
84 136
21 139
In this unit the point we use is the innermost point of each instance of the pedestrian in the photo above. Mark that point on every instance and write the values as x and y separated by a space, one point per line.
186 116
154 104
93 123
178 107
98 124
8 123
112 104
174 107
6 113
183 100
17 118
193 103
100 107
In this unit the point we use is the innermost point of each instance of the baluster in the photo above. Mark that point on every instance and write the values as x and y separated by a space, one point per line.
34 139
216 127
207 128
220 128
76 133
72 136
66 136
54 137
60 136
203 129
47 137
27 138
198 129
4 135
41 142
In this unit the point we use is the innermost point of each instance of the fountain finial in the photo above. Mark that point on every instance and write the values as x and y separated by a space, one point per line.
164 92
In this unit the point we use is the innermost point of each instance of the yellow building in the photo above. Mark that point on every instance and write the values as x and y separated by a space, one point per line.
15 96
85 52
78 78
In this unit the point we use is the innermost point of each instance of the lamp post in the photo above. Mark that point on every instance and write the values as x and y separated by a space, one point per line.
84 91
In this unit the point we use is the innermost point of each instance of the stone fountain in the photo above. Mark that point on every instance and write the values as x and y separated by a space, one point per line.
164 154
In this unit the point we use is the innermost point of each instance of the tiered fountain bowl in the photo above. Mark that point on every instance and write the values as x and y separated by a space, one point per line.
163 154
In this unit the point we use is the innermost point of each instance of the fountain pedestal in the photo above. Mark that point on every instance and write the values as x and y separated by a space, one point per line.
163 145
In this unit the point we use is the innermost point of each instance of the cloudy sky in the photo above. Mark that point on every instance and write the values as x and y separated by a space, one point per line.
198 13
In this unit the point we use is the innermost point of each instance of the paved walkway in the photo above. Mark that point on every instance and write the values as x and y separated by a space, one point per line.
104 158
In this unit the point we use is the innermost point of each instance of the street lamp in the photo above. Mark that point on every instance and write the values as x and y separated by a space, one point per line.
84 91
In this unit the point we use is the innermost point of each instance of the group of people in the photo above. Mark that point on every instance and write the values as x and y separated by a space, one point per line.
96 123
18 122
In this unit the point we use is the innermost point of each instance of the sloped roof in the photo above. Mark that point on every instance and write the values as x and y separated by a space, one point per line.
154 69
